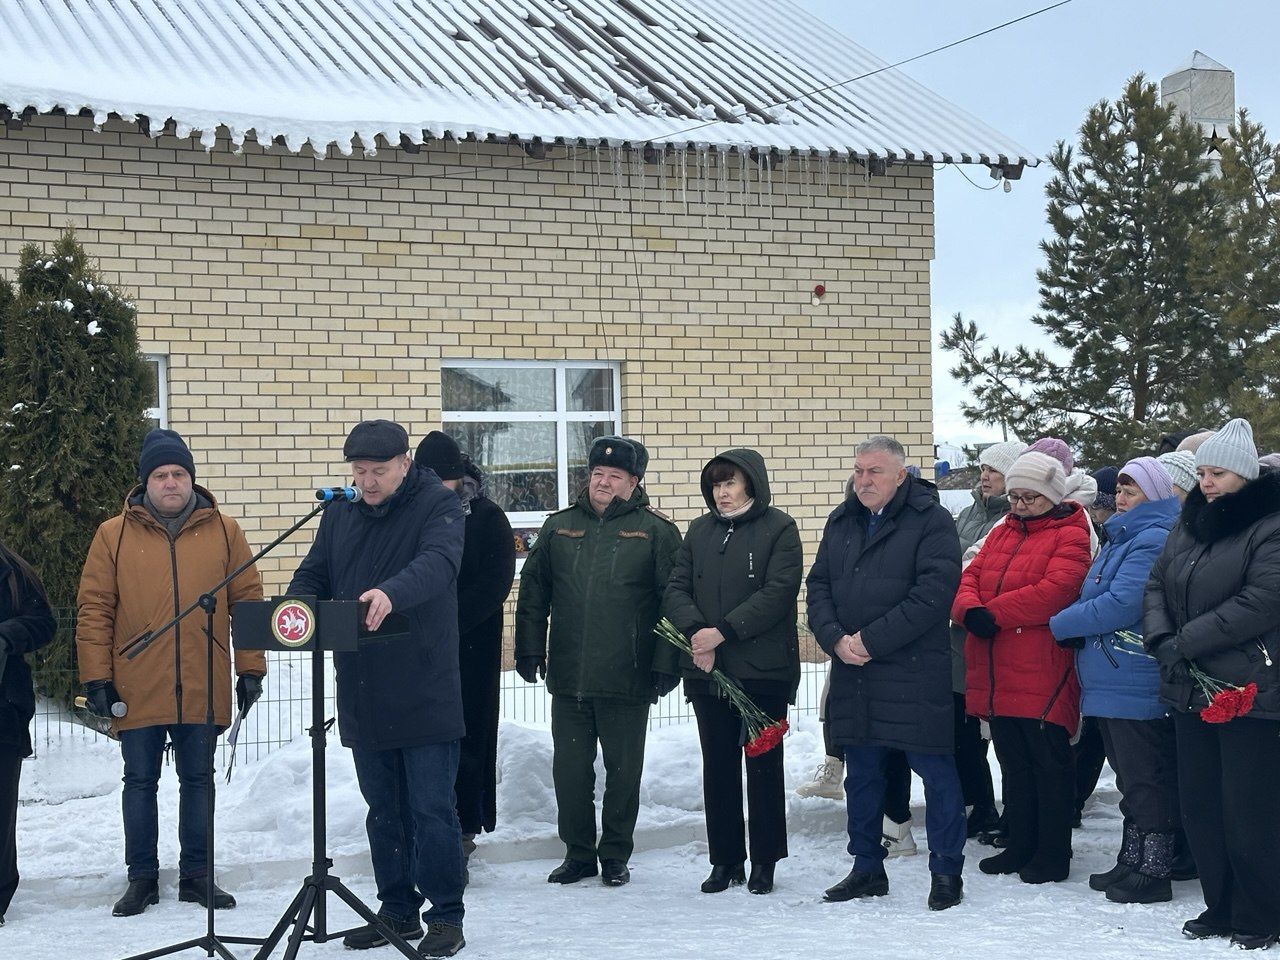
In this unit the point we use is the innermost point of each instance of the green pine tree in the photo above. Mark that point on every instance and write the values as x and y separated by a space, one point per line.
73 390
1123 294
1244 273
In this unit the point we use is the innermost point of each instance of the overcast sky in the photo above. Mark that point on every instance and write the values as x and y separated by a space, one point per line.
1033 82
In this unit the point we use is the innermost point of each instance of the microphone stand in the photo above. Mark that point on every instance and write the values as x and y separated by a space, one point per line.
210 943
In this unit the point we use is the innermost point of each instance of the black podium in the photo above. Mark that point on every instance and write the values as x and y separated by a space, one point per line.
296 623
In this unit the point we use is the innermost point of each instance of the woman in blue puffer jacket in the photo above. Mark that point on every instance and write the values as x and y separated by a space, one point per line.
1120 684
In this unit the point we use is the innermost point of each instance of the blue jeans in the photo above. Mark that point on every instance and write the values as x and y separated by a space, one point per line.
943 812
414 837
143 752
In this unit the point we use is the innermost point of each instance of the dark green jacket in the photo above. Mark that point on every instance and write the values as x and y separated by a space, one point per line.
743 577
974 522
600 580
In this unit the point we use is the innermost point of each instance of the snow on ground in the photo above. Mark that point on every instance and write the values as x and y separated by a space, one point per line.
71 857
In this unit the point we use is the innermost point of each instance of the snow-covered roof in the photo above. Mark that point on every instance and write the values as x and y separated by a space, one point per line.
719 73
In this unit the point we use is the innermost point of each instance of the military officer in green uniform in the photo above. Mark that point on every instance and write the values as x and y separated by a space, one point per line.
598 570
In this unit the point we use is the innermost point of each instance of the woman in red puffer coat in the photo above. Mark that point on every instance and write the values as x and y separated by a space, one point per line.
1017 677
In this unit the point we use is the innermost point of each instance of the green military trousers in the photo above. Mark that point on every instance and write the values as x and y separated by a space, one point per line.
619 727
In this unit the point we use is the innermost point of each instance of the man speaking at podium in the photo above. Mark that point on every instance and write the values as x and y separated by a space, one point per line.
398 550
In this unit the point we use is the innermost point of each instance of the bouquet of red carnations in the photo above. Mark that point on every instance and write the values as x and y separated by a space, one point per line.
763 733
1226 701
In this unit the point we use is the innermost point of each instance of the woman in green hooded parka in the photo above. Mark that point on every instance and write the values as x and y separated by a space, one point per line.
733 594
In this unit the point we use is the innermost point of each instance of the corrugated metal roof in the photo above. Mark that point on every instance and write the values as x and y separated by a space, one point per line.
722 73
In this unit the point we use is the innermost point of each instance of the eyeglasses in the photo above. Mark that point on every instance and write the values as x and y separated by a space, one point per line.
1027 498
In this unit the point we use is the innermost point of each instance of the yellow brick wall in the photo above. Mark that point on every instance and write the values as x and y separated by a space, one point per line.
294 297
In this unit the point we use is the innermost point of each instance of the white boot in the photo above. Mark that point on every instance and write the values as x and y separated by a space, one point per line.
827 782
897 840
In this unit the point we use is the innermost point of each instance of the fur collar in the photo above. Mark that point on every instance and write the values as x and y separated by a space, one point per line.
1232 513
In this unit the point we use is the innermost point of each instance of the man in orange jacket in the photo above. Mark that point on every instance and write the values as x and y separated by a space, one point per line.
168 546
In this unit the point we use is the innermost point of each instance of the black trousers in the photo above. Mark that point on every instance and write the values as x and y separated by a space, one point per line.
720 733
971 758
10 771
1039 788
1090 753
480 670
1144 756
1227 782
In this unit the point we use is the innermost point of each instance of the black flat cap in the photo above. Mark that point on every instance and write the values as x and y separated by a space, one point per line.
376 440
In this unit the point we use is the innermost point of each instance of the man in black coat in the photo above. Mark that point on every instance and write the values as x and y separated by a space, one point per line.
879 594
399 703
484 582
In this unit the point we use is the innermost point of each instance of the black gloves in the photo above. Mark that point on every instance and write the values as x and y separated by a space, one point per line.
100 696
531 668
248 690
1074 643
663 683
980 622
1169 654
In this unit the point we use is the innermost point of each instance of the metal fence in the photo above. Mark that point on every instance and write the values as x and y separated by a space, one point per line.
284 712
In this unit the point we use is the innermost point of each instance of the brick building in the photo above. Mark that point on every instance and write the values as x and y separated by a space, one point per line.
489 222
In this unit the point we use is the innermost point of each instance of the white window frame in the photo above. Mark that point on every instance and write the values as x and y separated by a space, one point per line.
561 417
160 413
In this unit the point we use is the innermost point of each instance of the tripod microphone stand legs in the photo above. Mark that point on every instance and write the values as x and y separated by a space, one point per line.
311 898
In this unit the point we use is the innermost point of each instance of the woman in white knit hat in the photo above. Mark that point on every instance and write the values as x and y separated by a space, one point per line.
1030 567
1213 605
1181 467
990 504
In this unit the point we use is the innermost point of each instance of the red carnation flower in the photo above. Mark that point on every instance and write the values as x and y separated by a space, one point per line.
1217 711
1247 694
1226 701
766 739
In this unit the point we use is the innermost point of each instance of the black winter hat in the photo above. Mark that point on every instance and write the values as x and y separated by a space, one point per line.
375 440
440 452
1105 477
623 453
161 448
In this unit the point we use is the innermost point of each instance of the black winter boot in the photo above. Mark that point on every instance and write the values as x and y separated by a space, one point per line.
722 877
1202 929
998 835
983 818
945 891
139 895
571 871
1149 881
858 885
1255 941
1008 861
194 890
614 873
369 936
442 940
761 879
1130 854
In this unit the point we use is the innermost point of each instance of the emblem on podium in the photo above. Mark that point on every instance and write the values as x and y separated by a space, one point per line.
293 623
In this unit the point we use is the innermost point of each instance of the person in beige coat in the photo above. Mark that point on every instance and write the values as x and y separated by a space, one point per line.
169 545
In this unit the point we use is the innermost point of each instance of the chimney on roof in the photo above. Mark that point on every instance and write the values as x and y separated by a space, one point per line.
1204 91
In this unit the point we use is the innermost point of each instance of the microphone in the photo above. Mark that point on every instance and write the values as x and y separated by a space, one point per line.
118 709
329 494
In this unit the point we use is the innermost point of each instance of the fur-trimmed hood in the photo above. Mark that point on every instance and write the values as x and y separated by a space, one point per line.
1232 513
